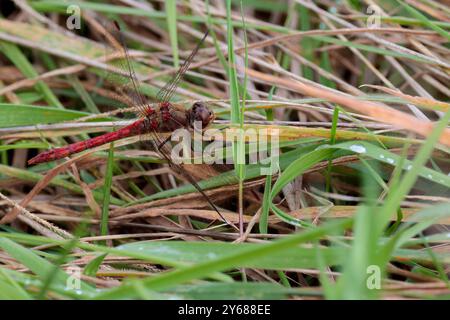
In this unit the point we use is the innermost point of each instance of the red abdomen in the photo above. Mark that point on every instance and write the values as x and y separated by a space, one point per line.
59 153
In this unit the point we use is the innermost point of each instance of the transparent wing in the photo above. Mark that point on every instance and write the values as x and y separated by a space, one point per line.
125 82
166 93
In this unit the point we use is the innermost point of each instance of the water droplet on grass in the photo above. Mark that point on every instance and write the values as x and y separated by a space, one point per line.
390 160
358 148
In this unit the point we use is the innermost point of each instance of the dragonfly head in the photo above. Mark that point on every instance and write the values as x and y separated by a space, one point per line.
200 112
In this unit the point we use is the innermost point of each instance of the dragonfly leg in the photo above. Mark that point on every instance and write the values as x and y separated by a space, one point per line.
163 143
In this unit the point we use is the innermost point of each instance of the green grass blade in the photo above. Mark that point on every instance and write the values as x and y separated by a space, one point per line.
107 192
171 12
419 16
201 270
18 58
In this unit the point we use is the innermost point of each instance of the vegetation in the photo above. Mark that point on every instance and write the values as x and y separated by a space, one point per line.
356 94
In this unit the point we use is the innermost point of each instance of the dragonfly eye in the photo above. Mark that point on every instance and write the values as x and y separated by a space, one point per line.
200 112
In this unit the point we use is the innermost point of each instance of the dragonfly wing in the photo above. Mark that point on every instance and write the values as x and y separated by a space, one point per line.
166 93
125 81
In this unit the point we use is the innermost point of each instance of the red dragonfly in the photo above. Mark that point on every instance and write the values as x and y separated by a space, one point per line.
166 117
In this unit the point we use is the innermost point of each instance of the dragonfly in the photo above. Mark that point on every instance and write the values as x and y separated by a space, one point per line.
164 117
